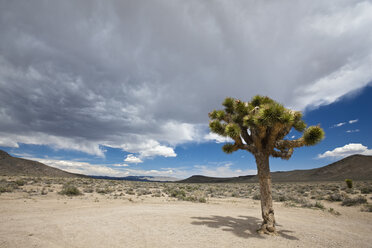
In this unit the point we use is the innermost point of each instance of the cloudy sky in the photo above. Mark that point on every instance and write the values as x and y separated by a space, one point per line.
124 87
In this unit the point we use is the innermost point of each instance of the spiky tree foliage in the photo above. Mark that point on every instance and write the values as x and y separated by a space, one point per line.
260 127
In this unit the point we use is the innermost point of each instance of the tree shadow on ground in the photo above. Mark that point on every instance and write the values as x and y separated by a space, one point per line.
242 226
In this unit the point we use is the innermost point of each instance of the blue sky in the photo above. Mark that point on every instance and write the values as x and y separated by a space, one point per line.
125 88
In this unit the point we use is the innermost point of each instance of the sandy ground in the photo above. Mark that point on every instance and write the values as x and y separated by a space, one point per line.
59 221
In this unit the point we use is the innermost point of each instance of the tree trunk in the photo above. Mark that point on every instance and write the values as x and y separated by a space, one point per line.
268 224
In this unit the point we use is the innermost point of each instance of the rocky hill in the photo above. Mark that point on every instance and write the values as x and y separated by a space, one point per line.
355 167
12 166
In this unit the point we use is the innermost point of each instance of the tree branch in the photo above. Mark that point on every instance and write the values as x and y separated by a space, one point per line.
250 148
282 154
287 144
272 136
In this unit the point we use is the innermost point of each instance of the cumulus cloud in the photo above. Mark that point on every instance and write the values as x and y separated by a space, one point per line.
213 169
149 148
57 142
84 168
353 121
132 159
217 138
221 170
346 150
142 75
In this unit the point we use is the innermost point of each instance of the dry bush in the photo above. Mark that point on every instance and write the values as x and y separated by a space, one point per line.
70 190
367 208
354 201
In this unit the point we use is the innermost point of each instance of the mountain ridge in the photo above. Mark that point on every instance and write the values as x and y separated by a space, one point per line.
13 166
355 167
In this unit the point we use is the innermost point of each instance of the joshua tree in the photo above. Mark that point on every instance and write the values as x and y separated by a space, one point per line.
259 127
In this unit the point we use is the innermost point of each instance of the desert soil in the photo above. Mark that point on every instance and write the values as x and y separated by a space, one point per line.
60 221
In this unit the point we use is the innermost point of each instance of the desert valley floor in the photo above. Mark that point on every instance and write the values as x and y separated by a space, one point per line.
31 218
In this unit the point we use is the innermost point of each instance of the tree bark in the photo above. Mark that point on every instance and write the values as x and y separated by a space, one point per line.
268 224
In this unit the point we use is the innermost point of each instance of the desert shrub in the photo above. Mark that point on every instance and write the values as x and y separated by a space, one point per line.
319 205
178 193
88 190
349 183
354 201
301 191
298 199
332 211
256 196
235 194
289 204
7 186
193 198
70 190
282 198
20 182
366 208
157 193
350 191
306 204
44 191
5 189
130 191
279 196
335 197
189 198
143 192
105 190
366 190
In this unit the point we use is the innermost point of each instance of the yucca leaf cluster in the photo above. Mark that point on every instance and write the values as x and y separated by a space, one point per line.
260 125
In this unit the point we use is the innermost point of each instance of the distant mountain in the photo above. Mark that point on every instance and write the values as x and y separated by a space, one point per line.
356 167
139 178
205 179
12 166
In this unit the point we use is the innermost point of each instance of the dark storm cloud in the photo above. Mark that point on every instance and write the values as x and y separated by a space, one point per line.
142 75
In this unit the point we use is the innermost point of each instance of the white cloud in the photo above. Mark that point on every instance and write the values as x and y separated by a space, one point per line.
83 167
132 159
217 138
86 168
344 123
347 150
56 142
339 124
176 132
330 88
213 169
120 165
353 131
221 170
150 148
8 142
353 121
